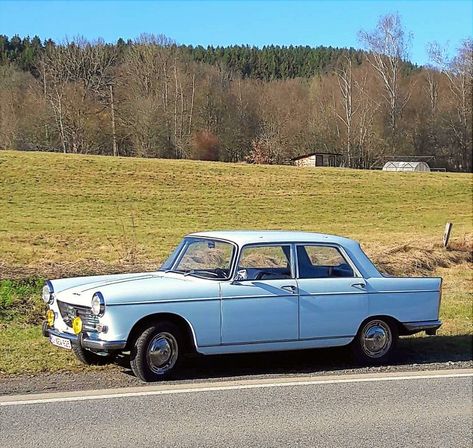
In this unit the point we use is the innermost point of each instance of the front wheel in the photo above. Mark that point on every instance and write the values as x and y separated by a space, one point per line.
156 352
375 342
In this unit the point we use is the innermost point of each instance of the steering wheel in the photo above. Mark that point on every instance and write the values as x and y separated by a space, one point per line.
261 274
221 273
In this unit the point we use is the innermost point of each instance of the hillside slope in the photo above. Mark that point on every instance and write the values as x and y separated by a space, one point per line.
64 208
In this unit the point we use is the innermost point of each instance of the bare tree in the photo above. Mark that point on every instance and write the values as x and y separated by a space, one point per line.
112 118
388 47
432 90
75 75
346 86
459 73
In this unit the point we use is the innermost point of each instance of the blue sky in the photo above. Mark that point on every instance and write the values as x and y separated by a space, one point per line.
258 23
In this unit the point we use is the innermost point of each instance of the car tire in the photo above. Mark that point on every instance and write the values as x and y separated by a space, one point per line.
375 342
90 358
157 352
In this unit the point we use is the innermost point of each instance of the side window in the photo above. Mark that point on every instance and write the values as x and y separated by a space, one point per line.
266 262
322 262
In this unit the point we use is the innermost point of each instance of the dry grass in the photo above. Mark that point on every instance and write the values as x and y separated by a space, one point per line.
421 258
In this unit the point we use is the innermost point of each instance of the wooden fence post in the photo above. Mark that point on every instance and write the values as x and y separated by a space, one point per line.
446 234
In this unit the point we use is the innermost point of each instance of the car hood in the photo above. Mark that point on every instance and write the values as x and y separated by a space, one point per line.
137 288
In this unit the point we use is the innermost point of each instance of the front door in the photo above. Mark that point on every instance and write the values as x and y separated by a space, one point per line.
332 296
262 306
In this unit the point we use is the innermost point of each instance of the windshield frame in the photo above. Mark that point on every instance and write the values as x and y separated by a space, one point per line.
179 252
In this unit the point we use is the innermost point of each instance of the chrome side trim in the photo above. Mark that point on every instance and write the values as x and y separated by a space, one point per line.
228 344
164 301
422 325
405 291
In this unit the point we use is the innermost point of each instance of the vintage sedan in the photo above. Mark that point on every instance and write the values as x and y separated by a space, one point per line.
239 292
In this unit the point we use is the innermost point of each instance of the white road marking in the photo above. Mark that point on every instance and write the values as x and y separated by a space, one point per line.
60 397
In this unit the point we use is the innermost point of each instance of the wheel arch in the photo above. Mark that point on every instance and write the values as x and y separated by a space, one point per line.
181 322
401 330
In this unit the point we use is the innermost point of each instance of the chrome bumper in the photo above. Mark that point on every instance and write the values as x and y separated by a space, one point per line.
84 341
429 326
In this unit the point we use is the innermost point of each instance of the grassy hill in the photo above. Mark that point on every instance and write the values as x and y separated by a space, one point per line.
68 214
63 208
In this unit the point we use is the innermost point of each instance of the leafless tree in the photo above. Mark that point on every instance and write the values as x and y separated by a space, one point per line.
74 72
346 87
459 73
388 47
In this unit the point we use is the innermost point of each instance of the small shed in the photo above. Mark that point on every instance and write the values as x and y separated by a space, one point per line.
319 159
406 166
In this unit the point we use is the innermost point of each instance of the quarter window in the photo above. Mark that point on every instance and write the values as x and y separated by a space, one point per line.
322 262
266 262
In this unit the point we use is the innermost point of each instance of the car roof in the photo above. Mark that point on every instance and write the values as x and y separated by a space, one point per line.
242 237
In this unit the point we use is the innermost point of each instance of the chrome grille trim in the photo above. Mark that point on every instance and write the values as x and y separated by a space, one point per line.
68 312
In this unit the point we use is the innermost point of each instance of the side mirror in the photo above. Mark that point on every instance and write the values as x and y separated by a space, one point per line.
241 275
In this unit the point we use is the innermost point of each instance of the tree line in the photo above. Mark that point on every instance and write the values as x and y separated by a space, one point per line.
153 98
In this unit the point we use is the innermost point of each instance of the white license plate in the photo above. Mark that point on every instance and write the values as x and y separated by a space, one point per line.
60 342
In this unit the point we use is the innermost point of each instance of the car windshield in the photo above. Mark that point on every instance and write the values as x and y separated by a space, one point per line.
201 257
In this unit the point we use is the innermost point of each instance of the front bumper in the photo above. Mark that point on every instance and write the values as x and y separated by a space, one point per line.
84 341
429 326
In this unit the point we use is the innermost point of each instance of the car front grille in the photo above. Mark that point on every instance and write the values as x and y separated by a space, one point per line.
69 312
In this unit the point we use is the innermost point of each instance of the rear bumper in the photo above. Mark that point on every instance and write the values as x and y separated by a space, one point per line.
84 341
429 326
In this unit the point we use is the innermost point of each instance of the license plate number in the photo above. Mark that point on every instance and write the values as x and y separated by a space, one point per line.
60 342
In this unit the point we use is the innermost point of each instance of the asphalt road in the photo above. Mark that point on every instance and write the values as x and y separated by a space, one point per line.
426 409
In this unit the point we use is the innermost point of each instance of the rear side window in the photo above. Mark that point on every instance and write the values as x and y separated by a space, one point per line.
322 262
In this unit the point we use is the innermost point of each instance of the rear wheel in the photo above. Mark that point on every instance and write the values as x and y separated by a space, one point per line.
375 342
157 352
90 358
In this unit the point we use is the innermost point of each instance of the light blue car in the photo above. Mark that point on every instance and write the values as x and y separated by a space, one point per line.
240 292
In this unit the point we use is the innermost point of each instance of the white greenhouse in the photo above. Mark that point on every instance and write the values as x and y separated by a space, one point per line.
406 166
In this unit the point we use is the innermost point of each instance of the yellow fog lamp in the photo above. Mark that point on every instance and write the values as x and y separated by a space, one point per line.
77 325
50 318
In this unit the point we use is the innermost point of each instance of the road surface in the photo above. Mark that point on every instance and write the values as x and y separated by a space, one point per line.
416 409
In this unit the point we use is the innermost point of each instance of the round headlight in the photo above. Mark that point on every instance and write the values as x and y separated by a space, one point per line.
98 304
47 293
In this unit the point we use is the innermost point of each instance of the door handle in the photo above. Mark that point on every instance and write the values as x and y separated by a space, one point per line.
290 288
361 285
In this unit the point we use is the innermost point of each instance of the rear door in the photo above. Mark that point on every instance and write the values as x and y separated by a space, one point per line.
332 295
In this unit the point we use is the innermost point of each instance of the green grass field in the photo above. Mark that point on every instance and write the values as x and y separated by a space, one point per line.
70 214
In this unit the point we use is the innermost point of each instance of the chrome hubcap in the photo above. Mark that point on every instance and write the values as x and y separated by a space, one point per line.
162 353
376 338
